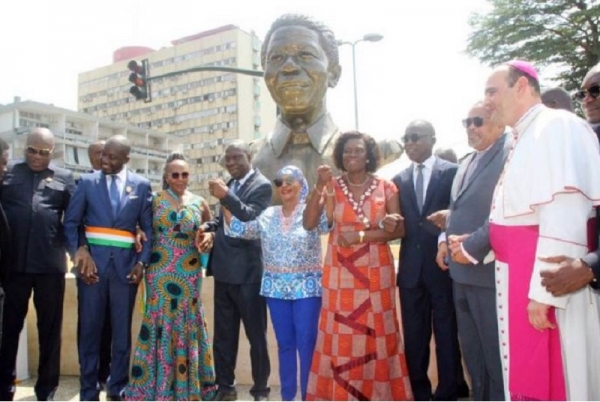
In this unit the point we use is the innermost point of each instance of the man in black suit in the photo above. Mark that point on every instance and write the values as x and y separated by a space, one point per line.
425 290
574 274
35 195
4 230
237 267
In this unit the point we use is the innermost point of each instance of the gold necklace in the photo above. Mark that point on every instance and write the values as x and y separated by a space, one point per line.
357 185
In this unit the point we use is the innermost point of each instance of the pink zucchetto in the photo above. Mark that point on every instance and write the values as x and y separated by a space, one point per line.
525 67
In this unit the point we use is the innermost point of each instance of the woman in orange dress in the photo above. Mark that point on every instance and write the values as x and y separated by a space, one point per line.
359 352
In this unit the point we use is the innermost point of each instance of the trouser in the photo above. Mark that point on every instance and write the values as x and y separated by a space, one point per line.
92 309
105 345
1 309
296 323
426 309
478 333
232 304
48 296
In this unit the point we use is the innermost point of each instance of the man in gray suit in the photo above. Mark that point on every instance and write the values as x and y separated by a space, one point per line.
472 266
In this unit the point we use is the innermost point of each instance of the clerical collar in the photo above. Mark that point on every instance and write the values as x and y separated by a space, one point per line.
319 134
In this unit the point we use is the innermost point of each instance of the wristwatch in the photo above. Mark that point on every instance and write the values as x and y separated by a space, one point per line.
361 236
143 264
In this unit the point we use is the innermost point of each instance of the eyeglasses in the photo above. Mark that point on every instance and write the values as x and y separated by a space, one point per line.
413 137
593 91
39 151
476 121
287 180
184 175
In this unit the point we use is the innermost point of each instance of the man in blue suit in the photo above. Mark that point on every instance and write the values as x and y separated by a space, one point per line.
110 204
425 290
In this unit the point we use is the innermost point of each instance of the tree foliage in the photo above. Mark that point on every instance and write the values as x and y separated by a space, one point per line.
560 33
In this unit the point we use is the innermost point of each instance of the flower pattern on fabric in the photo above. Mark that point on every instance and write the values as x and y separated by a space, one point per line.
292 256
173 357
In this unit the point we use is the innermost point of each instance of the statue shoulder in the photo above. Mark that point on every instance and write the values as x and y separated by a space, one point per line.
390 149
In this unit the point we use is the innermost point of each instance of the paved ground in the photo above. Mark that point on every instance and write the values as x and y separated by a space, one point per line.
69 391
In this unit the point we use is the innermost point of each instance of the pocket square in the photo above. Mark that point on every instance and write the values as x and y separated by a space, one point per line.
133 197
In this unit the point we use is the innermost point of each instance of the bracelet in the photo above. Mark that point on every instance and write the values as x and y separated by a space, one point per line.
361 236
332 194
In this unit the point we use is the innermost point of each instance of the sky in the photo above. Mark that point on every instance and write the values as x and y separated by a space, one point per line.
419 70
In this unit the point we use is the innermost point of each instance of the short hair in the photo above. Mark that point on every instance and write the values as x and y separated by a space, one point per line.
241 145
557 98
4 145
122 141
326 36
514 74
373 156
173 156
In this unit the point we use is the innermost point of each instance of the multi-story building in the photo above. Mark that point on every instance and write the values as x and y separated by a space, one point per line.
74 131
203 110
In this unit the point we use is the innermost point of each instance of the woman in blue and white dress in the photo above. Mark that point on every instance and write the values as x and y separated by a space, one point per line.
291 280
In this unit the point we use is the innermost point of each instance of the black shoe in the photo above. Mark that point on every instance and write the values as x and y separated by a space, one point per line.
48 398
261 398
463 391
113 398
229 395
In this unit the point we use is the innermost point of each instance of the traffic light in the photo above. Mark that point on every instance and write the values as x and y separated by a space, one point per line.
140 78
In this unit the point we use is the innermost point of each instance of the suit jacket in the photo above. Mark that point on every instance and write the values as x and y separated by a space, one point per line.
4 246
90 206
239 261
470 212
419 245
34 204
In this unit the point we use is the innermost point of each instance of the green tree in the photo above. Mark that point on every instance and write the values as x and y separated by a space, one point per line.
559 33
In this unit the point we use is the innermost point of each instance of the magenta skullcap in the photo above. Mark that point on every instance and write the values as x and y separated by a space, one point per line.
525 67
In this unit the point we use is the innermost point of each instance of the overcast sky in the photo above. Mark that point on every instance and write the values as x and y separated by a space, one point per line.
418 71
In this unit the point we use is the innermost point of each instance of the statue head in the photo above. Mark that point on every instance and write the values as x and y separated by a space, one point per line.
301 61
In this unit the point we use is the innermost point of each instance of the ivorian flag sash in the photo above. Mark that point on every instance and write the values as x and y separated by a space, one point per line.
109 237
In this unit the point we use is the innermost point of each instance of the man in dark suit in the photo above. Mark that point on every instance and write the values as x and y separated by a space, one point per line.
35 195
574 274
473 276
237 267
111 204
425 290
4 230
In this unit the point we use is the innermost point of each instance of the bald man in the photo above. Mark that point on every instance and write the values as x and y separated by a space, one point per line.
35 194
557 98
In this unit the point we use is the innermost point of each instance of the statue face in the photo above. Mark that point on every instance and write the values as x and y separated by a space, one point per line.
296 70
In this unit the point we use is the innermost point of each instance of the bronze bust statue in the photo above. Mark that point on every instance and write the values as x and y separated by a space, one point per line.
301 61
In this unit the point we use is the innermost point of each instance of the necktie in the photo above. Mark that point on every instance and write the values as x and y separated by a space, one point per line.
114 194
419 187
236 186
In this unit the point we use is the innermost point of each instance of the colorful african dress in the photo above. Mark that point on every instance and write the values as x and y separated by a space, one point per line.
359 352
173 357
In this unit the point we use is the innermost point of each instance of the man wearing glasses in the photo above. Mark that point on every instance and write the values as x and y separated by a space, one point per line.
35 195
425 290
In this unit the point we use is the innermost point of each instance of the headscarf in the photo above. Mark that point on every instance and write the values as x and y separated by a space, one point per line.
296 173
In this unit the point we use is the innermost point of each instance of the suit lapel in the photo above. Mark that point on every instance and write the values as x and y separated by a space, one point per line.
104 193
128 190
409 187
246 184
483 162
434 182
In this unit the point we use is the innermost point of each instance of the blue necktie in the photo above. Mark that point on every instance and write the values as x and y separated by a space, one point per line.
236 186
115 199
419 187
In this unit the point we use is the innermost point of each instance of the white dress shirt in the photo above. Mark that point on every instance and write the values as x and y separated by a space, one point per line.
121 178
427 171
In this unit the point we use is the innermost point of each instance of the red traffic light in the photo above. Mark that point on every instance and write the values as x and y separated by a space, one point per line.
140 78
137 79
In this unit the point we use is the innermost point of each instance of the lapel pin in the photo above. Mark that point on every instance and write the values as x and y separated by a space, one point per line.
48 179
128 189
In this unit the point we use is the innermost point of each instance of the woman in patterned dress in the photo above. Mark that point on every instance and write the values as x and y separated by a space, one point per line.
291 279
173 357
359 352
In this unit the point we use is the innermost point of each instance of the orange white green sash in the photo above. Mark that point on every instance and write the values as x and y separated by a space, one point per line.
109 237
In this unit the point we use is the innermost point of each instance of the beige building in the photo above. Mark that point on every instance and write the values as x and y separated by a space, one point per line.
74 131
203 110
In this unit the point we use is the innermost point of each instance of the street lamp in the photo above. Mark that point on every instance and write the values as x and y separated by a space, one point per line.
371 37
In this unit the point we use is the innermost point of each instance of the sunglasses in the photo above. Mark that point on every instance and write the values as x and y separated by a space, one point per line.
476 121
593 91
184 175
413 137
287 180
37 151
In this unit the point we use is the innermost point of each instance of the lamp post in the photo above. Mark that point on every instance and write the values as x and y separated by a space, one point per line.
372 37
